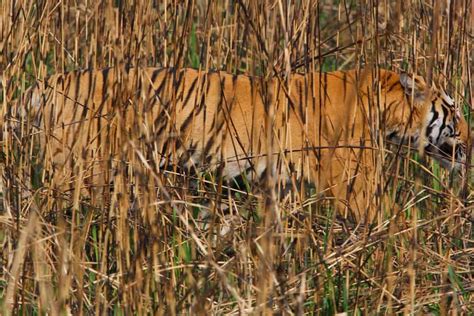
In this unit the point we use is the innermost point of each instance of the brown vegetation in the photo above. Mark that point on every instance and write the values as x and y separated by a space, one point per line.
144 246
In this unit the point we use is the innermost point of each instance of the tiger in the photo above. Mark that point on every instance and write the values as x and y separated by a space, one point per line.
324 128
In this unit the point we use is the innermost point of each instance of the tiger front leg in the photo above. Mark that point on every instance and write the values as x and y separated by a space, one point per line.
351 181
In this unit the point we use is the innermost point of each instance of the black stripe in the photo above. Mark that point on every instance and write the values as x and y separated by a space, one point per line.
392 86
165 151
221 91
208 160
188 94
191 149
105 78
105 92
186 122
221 125
160 123
392 103
443 125
45 91
208 146
451 130
262 175
139 87
151 105
180 85
429 129
178 144
178 79
446 105
85 107
214 119
89 87
162 83
202 103
167 146
60 81
67 83
154 75
234 79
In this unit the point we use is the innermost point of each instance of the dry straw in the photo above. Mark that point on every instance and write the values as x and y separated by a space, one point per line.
143 245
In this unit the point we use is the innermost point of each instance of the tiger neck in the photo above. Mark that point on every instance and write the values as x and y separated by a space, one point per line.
405 124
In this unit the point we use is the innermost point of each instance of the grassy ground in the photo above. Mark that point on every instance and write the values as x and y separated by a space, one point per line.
143 248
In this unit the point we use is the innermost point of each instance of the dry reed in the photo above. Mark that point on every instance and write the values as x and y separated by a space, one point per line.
141 248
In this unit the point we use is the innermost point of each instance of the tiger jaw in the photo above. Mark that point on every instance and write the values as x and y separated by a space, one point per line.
443 153
449 157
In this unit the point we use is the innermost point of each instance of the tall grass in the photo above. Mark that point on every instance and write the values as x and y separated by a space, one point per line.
144 247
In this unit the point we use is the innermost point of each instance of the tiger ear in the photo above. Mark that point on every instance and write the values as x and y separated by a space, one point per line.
414 85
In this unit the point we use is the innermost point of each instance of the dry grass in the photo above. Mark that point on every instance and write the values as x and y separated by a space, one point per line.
142 248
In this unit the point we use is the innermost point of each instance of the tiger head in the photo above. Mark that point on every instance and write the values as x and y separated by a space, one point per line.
444 132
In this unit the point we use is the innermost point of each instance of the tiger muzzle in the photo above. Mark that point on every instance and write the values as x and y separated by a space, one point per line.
451 156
